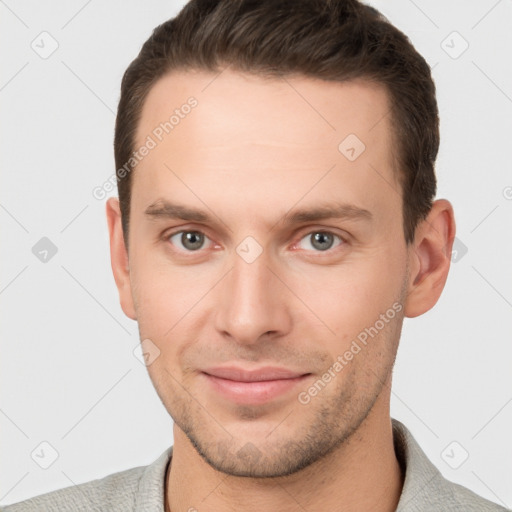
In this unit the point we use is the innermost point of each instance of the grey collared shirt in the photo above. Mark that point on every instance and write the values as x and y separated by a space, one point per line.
141 489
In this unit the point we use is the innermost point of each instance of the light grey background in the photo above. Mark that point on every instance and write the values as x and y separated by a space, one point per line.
69 376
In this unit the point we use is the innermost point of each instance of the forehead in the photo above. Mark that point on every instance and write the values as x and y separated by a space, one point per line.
250 130
262 106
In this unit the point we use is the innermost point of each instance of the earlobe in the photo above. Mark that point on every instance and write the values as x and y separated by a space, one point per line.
429 258
119 257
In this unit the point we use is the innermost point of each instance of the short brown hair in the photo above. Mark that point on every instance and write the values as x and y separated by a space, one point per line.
334 40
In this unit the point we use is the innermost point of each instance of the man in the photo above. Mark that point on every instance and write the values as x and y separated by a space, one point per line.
276 222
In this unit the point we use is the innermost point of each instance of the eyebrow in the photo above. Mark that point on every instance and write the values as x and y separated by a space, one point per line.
163 209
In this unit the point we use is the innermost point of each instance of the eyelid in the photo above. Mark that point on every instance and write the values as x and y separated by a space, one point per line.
303 233
311 230
168 234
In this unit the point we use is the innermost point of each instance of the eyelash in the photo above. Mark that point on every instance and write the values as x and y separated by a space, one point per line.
343 240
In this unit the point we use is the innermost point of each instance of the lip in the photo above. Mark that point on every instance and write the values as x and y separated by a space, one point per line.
252 387
256 375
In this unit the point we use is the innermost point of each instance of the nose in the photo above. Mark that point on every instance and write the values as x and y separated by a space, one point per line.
253 302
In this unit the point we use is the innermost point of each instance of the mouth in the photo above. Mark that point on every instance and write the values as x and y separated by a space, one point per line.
253 387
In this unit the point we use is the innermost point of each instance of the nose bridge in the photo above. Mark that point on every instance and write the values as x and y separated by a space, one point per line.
251 303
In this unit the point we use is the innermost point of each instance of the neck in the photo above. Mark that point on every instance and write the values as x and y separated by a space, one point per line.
361 474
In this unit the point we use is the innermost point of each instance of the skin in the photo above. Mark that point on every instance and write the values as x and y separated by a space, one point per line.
250 153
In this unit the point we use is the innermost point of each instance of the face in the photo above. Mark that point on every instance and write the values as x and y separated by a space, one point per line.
257 279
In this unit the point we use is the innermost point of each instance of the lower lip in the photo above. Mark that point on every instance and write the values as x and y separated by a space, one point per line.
253 393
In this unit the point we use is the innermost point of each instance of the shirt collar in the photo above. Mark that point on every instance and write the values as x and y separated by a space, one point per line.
422 479
150 493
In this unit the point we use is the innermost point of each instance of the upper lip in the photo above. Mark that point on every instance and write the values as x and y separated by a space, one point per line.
256 375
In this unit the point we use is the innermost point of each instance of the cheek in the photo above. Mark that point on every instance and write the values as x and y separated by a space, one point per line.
161 296
345 300
172 302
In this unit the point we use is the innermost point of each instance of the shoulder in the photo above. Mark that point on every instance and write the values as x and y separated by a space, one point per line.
464 499
117 489
122 491
425 488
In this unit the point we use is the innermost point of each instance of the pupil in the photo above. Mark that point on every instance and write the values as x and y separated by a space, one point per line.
321 238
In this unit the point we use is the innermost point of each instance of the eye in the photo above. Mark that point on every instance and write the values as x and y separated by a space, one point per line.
321 240
190 240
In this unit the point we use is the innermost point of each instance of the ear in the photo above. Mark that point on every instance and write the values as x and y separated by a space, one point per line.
119 257
429 258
